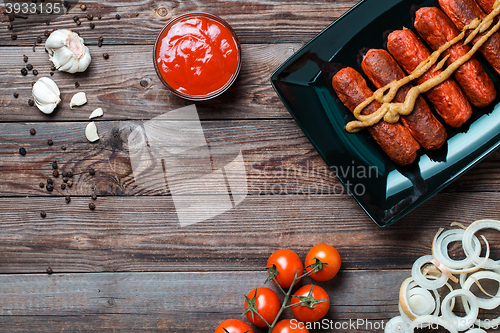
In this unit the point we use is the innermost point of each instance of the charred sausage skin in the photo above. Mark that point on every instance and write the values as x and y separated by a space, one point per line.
394 139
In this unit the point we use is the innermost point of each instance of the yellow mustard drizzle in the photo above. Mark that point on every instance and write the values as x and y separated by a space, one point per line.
391 112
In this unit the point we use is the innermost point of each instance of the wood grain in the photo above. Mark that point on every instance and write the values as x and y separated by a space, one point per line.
114 85
126 234
158 302
261 21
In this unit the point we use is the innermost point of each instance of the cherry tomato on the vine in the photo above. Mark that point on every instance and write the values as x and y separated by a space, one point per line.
314 304
326 254
233 326
290 326
264 301
288 265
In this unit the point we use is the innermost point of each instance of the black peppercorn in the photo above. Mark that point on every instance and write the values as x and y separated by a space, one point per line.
51 73
35 72
25 58
117 16
31 102
16 95
65 178
99 16
91 172
99 43
105 55
55 173
46 33
22 151
52 68
29 67
49 270
54 165
68 199
75 18
92 25
10 27
143 83
94 196
63 147
66 4
70 174
63 186
50 188
49 181
24 71
42 185
13 36
100 38
32 131
70 183
90 17
78 22
91 206
83 7
43 214
77 84
39 39
50 142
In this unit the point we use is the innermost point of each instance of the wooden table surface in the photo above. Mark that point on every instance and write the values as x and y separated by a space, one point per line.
128 265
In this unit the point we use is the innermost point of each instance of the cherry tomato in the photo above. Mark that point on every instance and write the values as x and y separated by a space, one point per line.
319 309
326 254
233 326
290 326
267 305
288 264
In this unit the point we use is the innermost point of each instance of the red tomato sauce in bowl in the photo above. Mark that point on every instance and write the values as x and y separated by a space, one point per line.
197 56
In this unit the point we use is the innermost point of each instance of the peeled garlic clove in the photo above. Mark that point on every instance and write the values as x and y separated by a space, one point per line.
78 99
96 113
67 51
91 132
46 94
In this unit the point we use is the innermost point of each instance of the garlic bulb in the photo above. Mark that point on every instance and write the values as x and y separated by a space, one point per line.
46 94
78 99
67 51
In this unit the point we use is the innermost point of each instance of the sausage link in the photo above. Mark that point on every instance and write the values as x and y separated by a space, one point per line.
394 139
462 12
486 5
437 29
381 69
447 97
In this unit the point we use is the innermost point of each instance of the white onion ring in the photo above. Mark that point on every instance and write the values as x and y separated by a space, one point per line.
421 280
396 325
405 307
484 303
440 248
476 330
462 323
428 320
467 241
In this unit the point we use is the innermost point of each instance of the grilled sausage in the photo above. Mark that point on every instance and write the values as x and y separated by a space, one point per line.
462 12
382 69
437 29
447 97
486 5
394 139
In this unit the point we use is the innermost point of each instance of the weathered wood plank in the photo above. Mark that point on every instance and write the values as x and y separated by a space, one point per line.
278 159
131 234
158 301
114 85
260 21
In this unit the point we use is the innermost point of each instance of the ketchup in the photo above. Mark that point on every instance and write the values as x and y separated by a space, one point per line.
197 55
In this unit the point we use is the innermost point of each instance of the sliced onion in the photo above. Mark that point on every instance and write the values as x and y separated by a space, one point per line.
476 330
421 279
467 242
485 303
440 248
396 325
429 320
411 296
461 323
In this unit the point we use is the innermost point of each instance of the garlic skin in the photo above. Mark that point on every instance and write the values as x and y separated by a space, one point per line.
91 132
78 99
46 95
67 51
